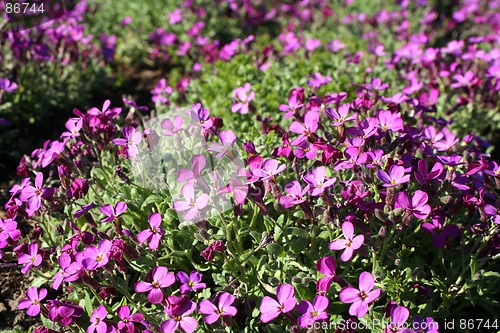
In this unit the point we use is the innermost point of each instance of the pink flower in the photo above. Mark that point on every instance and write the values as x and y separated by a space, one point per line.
270 308
170 127
311 313
95 257
376 84
31 259
293 105
131 139
98 323
326 266
69 272
317 181
191 204
271 168
8 229
154 234
295 194
111 212
178 310
361 298
126 324
318 80
33 301
395 176
389 121
191 282
399 316
73 125
242 98
213 313
161 91
227 138
311 120
417 206
348 243
161 278
422 174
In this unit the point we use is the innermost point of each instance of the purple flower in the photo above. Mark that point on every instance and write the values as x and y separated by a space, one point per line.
390 121
463 80
161 278
227 138
313 312
69 272
131 140
335 46
317 181
213 313
417 206
178 310
95 257
440 233
33 194
311 120
191 204
174 16
361 298
111 212
326 266
154 234
492 212
353 159
198 163
395 176
318 80
161 91
33 258
295 194
425 326
376 84
270 308
349 243
242 99
126 324
399 316
33 301
191 282
306 149
98 323
7 85
339 116
63 313
170 127
422 174
8 229
271 168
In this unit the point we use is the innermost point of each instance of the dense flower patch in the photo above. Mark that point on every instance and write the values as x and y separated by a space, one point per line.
353 209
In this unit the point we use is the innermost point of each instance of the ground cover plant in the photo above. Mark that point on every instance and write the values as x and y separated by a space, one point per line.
304 166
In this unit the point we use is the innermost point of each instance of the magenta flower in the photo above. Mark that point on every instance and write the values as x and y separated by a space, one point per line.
198 163
191 204
7 85
63 313
270 308
126 324
311 120
295 194
178 310
113 213
293 105
94 257
33 258
213 313
33 195
349 243
161 91
395 176
389 121
440 233
242 99
318 80
463 80
339 116
399 316
311 313
154 234
354 158
33 301
271 168
97 321
227 138
326 266
361 298
73 125
376 84
317 181
306 149
161 278
191 282
417 206
424 176
131 139
69 272
8 229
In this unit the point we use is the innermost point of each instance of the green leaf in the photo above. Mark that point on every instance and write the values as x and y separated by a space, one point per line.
473 266
276 249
